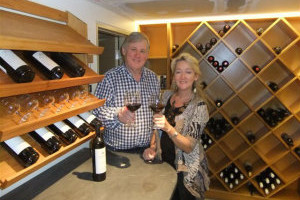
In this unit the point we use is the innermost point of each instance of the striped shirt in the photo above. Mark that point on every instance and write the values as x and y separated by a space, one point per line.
112 88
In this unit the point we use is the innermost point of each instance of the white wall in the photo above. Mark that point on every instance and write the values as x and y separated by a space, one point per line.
92 15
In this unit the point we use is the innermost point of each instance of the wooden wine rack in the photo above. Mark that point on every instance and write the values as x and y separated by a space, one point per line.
30 33
243 92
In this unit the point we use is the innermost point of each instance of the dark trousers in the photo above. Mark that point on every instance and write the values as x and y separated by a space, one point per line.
181 193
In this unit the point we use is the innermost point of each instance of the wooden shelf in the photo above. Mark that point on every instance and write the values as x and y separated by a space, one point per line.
15 172
243 93
9 128
28 33
40 83
56 31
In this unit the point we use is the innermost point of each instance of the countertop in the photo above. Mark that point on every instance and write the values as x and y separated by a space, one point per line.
127 177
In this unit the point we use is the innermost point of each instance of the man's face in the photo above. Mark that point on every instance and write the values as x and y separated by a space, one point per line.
135 55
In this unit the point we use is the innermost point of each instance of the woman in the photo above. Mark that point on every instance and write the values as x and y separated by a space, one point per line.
182 124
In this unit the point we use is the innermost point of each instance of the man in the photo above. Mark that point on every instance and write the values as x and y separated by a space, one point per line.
132 75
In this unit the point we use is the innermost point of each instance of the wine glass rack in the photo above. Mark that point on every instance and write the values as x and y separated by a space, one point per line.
32 33
243 93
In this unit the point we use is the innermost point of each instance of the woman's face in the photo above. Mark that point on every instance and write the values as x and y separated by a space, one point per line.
184 76
135 55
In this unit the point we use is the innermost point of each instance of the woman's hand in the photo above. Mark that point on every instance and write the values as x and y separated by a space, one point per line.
160 122
126 116
149 154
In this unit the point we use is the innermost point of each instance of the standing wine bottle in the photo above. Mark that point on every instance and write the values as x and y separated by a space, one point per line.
47 66
68 63
91 119
81 127
21 150
15 67
64 132
99 156
46 139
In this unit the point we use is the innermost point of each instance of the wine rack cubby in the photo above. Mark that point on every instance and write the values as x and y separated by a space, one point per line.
244 92
23 32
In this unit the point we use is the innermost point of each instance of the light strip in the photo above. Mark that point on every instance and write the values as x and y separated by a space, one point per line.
217 18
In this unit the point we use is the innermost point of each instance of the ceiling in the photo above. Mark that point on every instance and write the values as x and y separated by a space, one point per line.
170 9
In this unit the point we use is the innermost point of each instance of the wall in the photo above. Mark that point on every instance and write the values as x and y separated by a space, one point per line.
92 15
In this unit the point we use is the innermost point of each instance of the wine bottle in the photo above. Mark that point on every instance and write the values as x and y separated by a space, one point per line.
250 136
203 51
218 103
248 167
215 63
211 59
207 46
91 119
251 188
287 139
239 51
213 41
256 69
199 46
235 120
64 132
99 156
15 67
277 50
259 181
225 63
47 66
46 139
68 63
221 33
81 127
297 151
174 47
273 86
220 69
21 150
226 28
259 31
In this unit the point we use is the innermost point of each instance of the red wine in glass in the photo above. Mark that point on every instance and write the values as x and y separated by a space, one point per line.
133 106
157 108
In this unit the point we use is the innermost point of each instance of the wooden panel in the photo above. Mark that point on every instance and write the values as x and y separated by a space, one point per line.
76 24
27 33
35 9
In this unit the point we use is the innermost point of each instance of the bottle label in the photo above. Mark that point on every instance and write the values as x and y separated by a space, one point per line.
100 160
44 133
76 121
87 116
62 126
17 144
4 70
12 59
44 60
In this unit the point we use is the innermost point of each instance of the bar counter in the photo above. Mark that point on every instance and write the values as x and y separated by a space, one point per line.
127 177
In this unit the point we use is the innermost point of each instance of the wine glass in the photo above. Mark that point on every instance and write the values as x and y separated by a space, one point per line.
61 99
74 96
132 100
29 104
46 101
84 94
11 107
156 104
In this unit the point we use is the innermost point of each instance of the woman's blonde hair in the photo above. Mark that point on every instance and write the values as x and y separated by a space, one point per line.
194 64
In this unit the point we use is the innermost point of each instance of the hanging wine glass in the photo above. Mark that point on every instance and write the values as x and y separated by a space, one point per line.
132 100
